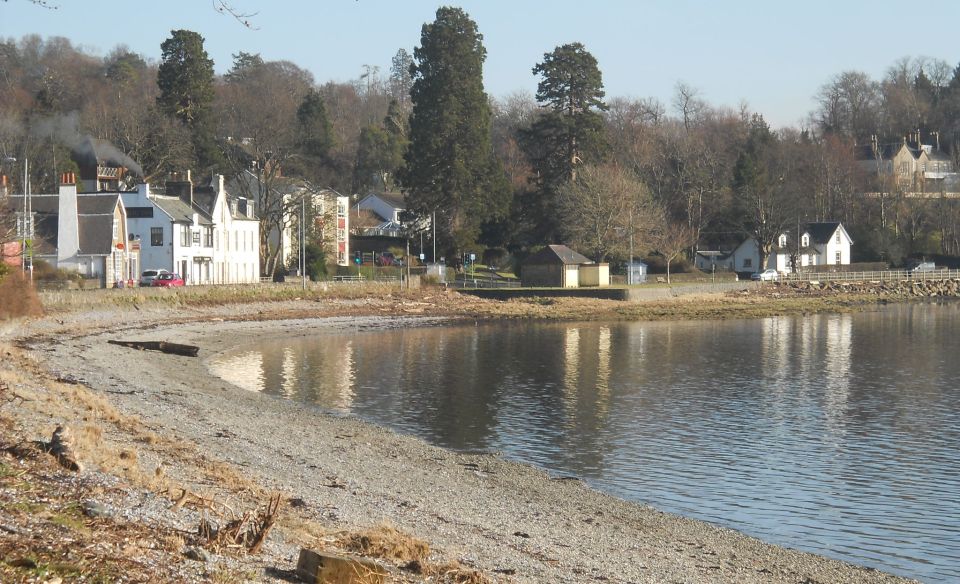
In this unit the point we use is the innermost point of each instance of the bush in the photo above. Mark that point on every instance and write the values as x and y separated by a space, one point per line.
18 298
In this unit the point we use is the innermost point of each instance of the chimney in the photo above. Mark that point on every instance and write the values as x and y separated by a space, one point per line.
181 186
68 223
68 178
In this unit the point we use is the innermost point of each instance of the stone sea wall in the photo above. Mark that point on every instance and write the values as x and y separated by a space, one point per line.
898 288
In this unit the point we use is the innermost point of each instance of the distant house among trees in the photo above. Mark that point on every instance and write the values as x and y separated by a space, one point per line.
910 166
819 244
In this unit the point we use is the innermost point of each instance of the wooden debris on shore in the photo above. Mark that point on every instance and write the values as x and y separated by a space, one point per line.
323 567
163 346
247 532
61 446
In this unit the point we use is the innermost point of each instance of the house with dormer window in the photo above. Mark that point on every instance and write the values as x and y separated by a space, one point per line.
818 244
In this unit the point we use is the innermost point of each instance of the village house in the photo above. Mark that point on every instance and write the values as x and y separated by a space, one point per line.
84 233
198 232
910 166
819 244
558 266
327 208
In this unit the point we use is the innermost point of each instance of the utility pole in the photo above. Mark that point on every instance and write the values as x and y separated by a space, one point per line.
303 242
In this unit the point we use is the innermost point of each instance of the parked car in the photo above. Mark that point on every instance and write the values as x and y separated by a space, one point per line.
768 275
388 259
148 276
923 267
167 280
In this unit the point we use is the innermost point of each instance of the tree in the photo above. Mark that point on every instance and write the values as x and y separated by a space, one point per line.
604 209
569 133
380 153
671 238
315 134
450 167
185 79
766 187
401 79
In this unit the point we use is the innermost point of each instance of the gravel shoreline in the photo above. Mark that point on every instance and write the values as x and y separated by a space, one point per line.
513 522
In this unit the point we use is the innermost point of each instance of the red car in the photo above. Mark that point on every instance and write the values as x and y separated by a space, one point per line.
168 280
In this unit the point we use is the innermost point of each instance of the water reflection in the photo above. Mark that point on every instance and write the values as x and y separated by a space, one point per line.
835 434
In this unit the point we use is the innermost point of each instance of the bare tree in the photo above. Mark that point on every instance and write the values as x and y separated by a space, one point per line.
671 238
603 209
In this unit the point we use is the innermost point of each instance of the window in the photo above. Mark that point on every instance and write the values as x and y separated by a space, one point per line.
748 263
838 258
208 237
838 236
184 236
783 240
196 238
116 230
813 259
805 240
156 236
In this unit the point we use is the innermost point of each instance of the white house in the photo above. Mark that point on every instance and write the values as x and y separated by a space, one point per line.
819 244
78 232
200 233
328 208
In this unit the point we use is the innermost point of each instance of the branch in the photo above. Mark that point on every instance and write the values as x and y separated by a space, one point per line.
223 7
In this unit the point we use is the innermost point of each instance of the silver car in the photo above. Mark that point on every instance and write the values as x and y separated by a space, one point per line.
148 276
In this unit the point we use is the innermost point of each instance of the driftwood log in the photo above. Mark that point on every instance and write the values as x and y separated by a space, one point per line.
163 346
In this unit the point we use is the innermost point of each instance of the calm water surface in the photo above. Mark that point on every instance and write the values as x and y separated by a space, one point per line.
833 434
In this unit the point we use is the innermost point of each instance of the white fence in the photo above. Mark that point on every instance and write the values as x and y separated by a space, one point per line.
885 276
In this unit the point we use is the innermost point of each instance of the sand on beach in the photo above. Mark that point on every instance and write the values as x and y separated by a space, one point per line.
512 522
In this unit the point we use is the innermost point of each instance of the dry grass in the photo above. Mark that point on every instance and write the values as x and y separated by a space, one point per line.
386 542
18 297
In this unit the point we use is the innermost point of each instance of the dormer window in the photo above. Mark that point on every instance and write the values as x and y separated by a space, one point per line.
783 240
805 240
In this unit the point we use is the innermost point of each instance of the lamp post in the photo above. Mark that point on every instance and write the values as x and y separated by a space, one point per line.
26 224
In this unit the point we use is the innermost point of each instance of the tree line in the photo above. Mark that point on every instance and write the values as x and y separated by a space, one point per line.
614 178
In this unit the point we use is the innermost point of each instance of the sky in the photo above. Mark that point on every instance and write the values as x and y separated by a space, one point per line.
772 55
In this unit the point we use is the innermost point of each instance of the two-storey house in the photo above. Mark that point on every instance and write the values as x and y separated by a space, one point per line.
196 231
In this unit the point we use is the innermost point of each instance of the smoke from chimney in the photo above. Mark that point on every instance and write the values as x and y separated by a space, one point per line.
65 129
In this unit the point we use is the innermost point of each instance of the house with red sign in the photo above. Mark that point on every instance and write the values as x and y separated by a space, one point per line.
78 232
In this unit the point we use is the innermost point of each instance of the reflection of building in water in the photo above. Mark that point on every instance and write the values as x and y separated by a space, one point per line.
571 362
836 365
775 353
603 372
303 370
586 373
245 370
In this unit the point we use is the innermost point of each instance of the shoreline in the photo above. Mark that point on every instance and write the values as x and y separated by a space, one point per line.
511 521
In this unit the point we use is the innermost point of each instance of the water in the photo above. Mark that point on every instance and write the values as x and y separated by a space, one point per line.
833 434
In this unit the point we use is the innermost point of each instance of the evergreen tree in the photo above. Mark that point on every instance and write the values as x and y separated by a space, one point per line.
185 79
380 153
315 130
568 134
450 167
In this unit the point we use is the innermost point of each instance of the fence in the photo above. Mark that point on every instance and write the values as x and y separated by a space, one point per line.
882 276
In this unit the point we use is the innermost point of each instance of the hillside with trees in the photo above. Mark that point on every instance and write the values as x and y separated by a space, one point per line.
511 173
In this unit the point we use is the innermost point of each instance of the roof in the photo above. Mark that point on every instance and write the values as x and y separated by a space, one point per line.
178 210
395 200
822 232
94 222
886 151
557 254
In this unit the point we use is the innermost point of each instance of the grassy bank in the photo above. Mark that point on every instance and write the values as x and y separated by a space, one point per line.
344 299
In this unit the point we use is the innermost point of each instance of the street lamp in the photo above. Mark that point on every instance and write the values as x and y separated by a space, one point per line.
26 224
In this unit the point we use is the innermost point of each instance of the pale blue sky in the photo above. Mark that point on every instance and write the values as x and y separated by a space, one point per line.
773 55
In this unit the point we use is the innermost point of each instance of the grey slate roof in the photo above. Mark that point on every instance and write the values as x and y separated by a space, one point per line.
175 208
822 232
94 222
557 254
